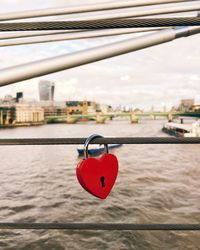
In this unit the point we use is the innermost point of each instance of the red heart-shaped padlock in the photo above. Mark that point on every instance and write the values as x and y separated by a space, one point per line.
98 175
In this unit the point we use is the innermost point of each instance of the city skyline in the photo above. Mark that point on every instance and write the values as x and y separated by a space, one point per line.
48 100
159 76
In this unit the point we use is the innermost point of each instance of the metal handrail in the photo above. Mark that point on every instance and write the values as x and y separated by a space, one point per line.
108 140
101 226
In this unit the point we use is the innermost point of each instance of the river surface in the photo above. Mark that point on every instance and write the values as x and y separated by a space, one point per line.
156 184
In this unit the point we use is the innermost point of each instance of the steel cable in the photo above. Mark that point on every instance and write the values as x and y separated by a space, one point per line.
24 34
109 140
101 24
67 61
161 7
85 8
73 36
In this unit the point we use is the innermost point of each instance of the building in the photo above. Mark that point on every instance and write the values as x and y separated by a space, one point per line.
74 107
80 107
91 107
19 96
7 115
54 111
186 105
46 90
196 108
9 100
27 114
21 115
103 108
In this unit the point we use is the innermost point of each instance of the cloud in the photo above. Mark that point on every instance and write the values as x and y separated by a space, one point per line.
161 75
125 78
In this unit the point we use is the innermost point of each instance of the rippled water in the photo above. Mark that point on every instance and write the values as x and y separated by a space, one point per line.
156 184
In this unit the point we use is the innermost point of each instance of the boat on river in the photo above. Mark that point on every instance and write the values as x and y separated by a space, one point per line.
182 130
97 149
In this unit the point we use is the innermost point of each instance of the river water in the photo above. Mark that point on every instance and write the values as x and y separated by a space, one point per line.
156 184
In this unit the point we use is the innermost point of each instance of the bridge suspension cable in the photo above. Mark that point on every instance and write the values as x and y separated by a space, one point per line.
22 34
55 64
45 33
61 35
73 36
84 8
11 35
144 11
101 24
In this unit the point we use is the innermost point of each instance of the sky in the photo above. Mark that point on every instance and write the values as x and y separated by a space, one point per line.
159 76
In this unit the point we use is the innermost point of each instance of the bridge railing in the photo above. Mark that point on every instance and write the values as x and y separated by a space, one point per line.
98 226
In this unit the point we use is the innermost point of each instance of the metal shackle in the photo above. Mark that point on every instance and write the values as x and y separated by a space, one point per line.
87 142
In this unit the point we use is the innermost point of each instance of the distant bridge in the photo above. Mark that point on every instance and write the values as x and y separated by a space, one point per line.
101 118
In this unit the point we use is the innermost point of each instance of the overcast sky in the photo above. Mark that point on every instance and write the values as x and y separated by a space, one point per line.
158 76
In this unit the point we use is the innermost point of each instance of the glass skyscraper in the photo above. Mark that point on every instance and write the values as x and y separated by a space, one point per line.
46 90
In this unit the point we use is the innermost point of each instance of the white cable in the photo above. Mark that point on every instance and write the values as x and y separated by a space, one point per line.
74 36
21 34
59 63
143 11
83 9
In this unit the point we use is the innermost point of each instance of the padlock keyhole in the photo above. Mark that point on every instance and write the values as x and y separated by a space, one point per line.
102 179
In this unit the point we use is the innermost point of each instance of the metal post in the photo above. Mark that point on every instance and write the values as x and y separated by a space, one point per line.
59 63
